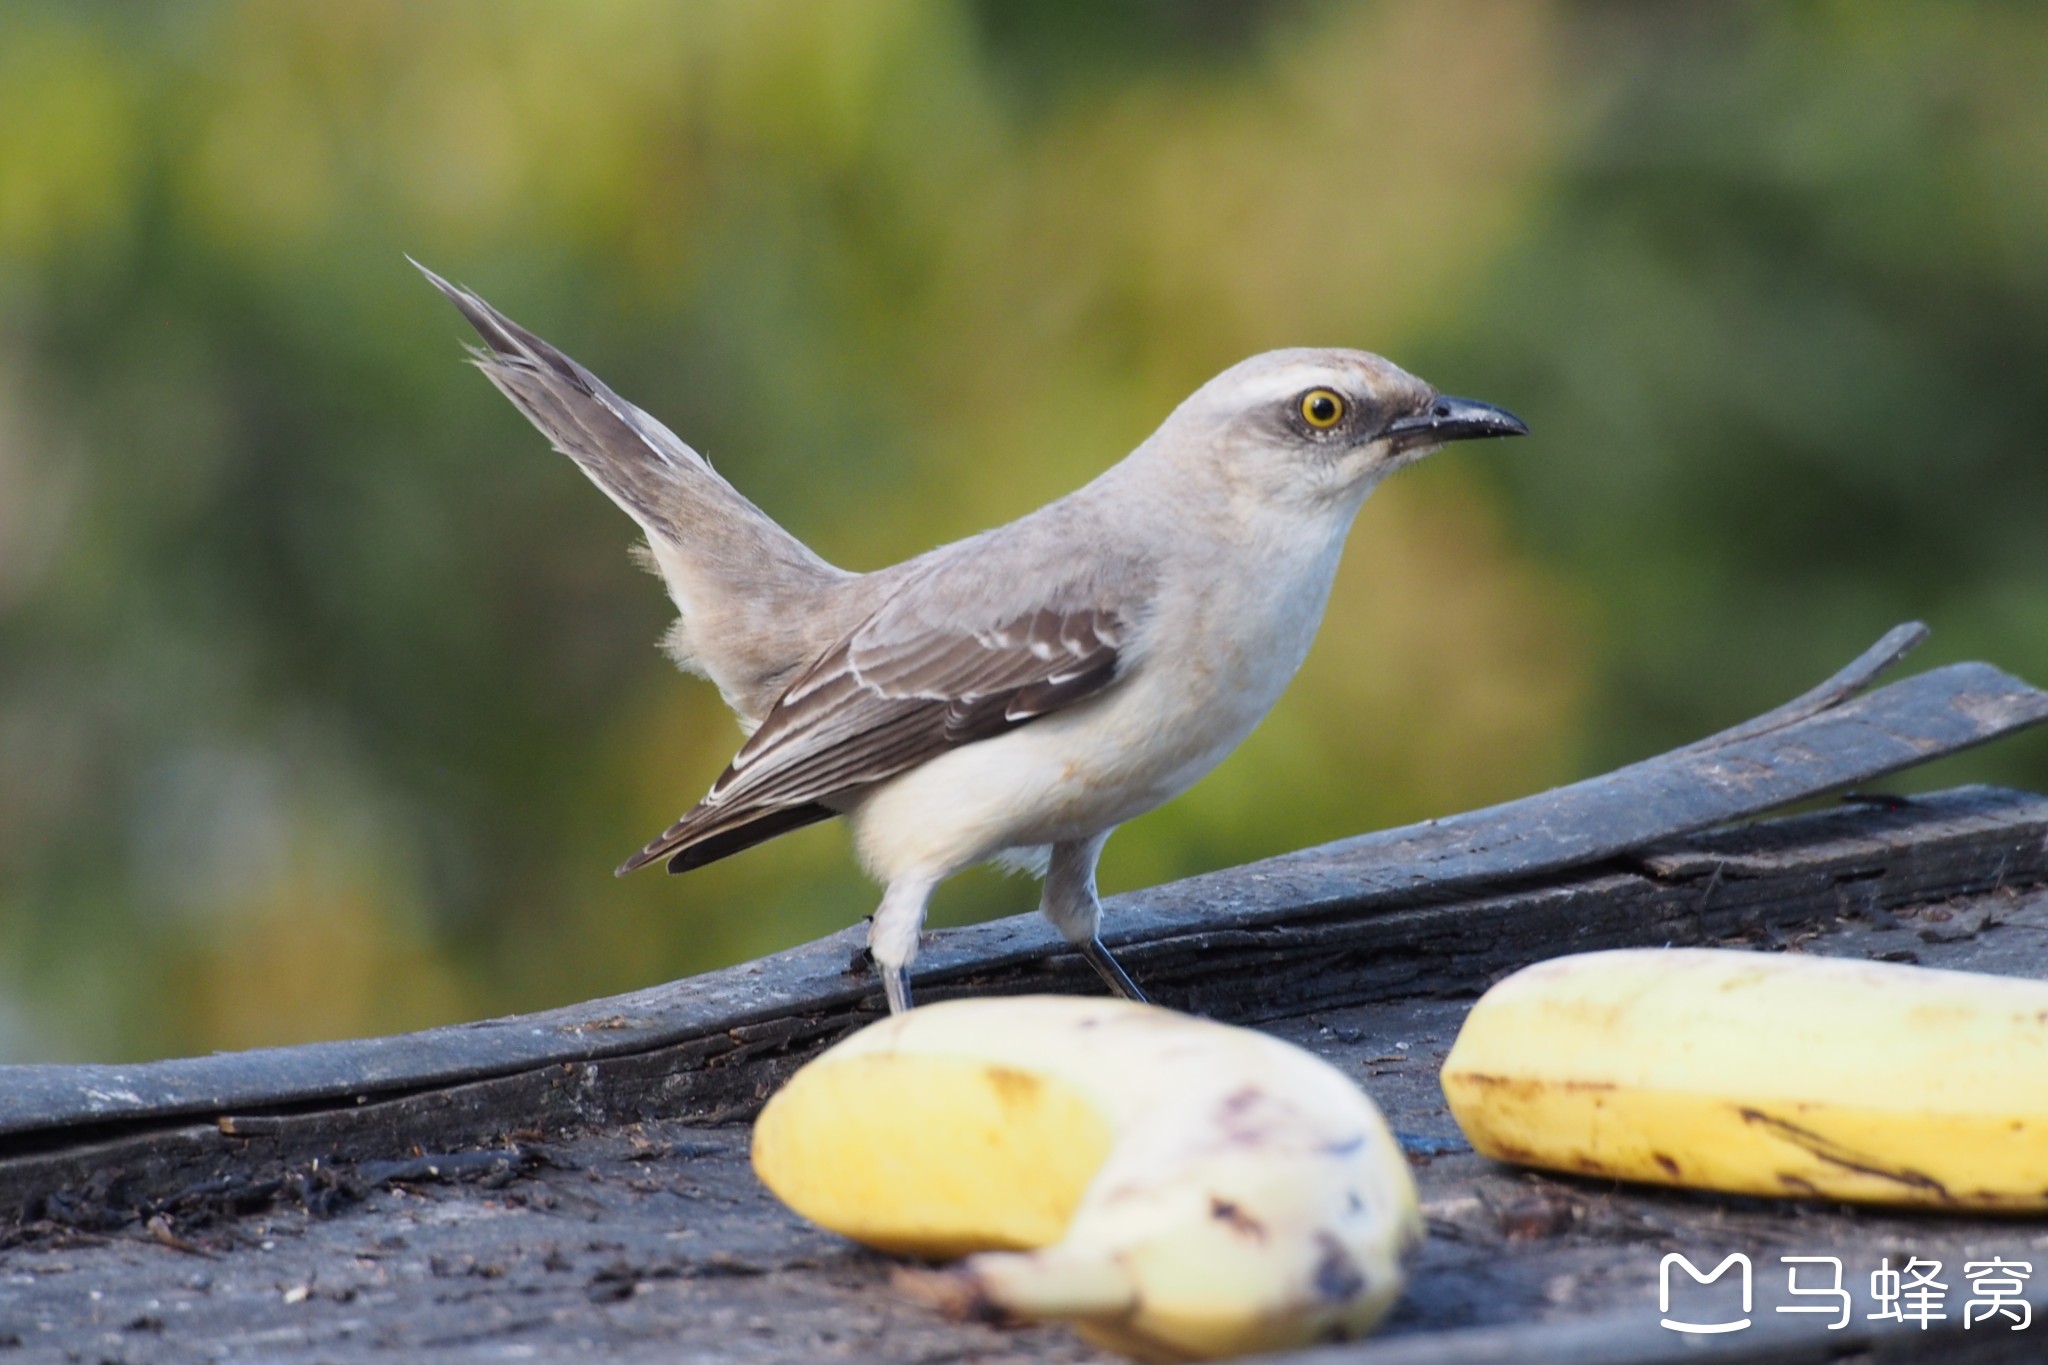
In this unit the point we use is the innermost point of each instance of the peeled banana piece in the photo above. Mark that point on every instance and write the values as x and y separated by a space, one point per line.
1764 1073
1178 1189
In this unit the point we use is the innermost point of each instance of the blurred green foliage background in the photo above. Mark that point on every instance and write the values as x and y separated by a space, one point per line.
328 696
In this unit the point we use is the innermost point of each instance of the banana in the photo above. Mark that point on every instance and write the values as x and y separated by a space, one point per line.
1769 1074
1178 1189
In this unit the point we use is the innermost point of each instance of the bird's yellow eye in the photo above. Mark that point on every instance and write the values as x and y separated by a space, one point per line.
1321 409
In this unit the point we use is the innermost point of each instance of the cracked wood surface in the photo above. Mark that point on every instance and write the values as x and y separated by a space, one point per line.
634 1235
1964 841
576 1180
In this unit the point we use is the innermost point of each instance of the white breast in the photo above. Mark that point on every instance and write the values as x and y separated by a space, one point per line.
1210 664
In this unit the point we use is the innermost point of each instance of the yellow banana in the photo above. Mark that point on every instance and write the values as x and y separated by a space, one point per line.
1176 1188
1764 1073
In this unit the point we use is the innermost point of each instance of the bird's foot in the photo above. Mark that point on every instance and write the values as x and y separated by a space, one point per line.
1112 974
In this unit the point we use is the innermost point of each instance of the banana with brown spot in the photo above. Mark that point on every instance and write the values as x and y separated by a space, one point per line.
1176 1188
1764 1073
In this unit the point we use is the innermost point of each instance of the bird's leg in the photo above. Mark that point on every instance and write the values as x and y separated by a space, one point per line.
1071 904
892 936
1111 971
896 986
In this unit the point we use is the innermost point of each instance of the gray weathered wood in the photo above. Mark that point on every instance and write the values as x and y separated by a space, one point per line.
1853 677
1785 877
651 1242
611 1213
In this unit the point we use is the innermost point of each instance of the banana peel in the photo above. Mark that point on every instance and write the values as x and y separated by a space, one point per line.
1765 1074
1175 1188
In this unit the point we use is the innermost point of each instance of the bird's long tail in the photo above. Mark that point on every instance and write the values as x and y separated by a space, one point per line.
745 586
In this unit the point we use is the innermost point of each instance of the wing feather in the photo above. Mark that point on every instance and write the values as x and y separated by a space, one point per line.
895 693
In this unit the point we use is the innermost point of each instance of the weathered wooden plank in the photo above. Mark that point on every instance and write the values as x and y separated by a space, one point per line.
1732 776
1794 876
629 1241
1824 865
1852 678
1690 789
654 1241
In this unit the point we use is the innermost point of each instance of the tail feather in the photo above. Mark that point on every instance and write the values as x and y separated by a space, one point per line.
703 836
638 462
750 593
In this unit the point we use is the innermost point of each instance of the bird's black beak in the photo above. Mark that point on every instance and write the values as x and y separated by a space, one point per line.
1453 419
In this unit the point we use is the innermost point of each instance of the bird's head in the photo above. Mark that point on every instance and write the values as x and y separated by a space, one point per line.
1322 426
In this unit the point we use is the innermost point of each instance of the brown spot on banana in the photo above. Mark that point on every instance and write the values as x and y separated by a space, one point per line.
1668 1164
1337 1277
1835 1154
1016 1089
1239 1101
1236 1219
1248 1117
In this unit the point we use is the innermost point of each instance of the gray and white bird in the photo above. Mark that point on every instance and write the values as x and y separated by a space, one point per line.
1019 694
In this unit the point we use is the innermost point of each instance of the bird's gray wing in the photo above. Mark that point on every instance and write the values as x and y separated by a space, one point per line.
912 682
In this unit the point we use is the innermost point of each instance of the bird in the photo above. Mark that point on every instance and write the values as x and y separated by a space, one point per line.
1015 696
